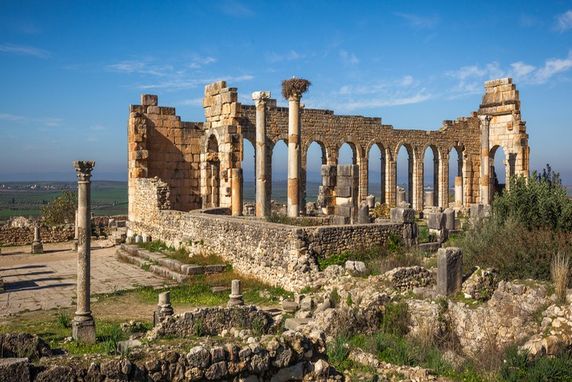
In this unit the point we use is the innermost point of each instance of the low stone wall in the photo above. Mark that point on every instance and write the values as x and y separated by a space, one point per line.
10 236
212 321
279 254
288 356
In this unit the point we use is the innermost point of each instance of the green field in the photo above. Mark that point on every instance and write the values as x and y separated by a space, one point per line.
108 198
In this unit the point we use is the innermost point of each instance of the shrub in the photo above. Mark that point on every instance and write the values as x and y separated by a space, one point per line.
63 319
537 202
517 367
61 210
513 249
395 319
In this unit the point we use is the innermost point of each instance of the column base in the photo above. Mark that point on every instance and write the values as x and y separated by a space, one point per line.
37 247
235 300
83 329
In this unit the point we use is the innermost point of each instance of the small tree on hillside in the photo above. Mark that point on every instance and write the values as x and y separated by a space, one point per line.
61 210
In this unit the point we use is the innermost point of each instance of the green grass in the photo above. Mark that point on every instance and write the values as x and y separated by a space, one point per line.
182 254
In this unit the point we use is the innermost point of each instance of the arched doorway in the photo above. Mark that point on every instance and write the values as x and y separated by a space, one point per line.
498 172
248 171
315 158
404 176
279 190
376 172
431 177
213 173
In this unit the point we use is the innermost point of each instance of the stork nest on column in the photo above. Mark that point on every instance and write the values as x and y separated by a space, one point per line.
294 87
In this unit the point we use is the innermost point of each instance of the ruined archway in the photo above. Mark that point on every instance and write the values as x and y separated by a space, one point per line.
312 165
499 172
376 172
279 172
213 173
248 171
431 176
404 175
347 153
456 181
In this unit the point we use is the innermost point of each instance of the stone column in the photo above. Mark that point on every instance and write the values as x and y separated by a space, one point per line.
485 176
37 246
444 182
458 191
236 191
390 182
235 297
293 155
83 325
262 202
416 183
449 271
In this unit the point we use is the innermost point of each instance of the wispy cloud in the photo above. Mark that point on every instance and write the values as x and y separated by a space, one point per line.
191 102
348 58
200 61
23 50
419 21
564 21
140 67
470 78
43 121
400 91
235 8
291 55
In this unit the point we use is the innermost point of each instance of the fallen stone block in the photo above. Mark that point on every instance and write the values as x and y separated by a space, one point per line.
14 370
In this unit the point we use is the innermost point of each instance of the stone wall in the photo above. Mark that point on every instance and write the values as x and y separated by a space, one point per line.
10 236
278 254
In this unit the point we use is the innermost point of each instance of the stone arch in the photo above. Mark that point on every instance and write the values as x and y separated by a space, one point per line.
495 185
249 169
431 198
456 177
213 169
311 166
278 182
411 159
381 171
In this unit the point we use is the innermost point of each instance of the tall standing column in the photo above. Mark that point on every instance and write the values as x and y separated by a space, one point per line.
294 155
262 200
83 325
485 178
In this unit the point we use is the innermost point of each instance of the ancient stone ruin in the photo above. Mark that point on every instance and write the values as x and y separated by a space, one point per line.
185 178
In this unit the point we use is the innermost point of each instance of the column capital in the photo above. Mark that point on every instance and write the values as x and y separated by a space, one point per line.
261 97
83 169
485 118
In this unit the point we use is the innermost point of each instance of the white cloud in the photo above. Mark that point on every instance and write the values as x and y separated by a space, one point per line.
199 61
140 67
407 81
564 21
368 103
292 55
520 69
470 78
23 50
552 67
418 21
348 58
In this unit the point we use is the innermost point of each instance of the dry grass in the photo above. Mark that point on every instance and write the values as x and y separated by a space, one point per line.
559 271
294 87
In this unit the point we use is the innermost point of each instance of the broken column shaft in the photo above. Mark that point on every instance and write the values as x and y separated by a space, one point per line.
83 325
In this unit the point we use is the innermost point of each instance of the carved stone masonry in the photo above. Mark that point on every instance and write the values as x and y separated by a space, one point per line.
262 201
83 325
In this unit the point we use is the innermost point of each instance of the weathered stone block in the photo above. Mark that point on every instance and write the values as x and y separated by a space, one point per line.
149 100
449 270
363 213
436 220
449 219
402 215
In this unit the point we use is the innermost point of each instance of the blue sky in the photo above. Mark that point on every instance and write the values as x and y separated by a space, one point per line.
69 70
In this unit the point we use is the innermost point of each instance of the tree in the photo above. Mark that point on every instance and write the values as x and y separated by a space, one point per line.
61 210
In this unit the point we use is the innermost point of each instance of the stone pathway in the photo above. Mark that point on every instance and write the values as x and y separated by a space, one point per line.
47 281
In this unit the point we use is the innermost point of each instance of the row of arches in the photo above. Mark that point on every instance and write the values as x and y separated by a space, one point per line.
347 154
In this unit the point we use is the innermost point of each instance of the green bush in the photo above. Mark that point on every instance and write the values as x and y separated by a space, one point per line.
395 319
539 202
